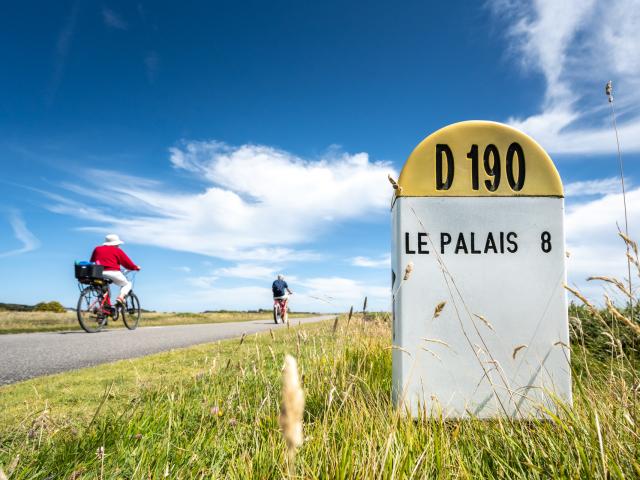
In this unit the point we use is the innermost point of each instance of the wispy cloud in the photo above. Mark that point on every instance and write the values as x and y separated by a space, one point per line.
63 45
601 186
317 294
247 270
261 204
183 269
207 296
340 293
113 20
22 234
383 261
151 64
592 240
578 45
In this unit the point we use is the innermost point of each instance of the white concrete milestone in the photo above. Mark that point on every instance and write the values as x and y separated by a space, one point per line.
496 259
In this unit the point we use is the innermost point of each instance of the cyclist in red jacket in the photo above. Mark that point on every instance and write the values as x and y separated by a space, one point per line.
111 257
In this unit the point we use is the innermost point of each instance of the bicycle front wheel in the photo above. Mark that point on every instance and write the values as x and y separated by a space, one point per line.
131 311
89 310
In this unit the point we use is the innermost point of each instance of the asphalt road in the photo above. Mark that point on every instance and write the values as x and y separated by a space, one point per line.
28 355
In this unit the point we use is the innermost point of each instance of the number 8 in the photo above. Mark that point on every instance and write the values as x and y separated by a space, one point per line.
546 242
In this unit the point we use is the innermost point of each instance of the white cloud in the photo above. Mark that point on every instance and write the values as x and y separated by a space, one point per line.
578 45
593 243
211 297
183 269
22 234
113 20
259 204
322 294
247 270
383 261
202 282
603 186
341 293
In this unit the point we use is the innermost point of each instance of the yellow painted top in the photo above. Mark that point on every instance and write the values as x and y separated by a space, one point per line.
479 159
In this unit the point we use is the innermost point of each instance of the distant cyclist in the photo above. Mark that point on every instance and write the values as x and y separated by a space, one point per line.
112 257
281 292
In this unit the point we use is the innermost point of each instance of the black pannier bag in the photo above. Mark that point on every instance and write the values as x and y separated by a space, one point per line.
86 273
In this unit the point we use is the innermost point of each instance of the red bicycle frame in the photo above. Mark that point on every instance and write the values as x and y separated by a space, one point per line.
106 300
105 304
282 303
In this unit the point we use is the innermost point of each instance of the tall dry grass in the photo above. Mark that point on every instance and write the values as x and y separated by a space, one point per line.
26 322
226 422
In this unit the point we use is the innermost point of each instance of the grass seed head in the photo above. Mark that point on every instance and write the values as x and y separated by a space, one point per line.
394 184
75 475
407 271
292 406
483 320
516 350
613 281
438 310
620 317
12 466
586 302
350 315
632 244
635 261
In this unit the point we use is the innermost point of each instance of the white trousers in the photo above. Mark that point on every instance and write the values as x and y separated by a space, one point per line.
119 279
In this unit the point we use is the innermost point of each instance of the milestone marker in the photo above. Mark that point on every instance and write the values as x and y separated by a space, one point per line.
480 326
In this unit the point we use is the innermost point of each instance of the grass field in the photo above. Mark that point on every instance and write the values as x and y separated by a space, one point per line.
25 322
211 411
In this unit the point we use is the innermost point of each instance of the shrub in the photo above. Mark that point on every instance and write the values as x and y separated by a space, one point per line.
55 307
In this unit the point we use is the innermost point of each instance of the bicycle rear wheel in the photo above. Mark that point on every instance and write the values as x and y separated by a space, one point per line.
275 313
131 311
89 310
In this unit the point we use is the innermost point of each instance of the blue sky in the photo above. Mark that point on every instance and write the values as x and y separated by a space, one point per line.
229 141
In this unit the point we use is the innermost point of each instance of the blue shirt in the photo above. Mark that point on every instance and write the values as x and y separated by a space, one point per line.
279 288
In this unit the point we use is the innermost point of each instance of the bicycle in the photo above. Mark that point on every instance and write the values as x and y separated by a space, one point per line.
280 305
94 305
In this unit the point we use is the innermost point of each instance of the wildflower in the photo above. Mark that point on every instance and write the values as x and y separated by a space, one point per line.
216 411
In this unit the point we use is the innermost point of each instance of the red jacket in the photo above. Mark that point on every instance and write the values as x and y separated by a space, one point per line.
111 258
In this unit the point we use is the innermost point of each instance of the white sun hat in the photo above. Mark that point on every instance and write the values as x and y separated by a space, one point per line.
112 239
